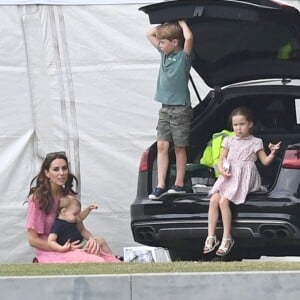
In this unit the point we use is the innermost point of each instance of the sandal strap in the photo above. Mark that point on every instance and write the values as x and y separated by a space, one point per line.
211 243
225 247
226 244
208 240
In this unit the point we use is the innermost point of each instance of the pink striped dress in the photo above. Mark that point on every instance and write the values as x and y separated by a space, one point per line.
41 223
244 177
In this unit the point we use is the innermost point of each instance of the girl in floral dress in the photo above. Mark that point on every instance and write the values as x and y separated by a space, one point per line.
53 182
238 177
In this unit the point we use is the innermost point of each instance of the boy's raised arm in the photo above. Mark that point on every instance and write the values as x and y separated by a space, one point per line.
151 35
188 37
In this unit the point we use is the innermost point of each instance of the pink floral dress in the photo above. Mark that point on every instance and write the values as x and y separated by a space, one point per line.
242 154
41 223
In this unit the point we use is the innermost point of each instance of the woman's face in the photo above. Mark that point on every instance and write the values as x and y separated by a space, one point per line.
58 172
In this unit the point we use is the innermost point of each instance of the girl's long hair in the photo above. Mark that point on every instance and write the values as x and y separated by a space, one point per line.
40 185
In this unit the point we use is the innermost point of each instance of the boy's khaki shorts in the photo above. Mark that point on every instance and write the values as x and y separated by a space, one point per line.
174 124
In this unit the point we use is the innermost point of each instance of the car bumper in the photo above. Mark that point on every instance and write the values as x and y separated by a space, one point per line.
265 229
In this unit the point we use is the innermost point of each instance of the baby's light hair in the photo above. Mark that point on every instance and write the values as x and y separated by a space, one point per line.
67 201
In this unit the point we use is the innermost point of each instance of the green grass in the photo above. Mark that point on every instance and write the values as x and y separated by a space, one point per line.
131 268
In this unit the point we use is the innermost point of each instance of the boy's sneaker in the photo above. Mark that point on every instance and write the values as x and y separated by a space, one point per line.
177 189
158 192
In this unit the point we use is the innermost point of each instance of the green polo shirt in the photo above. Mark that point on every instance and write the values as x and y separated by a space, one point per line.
172 83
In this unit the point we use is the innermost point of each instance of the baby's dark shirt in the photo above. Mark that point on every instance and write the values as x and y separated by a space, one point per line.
65 231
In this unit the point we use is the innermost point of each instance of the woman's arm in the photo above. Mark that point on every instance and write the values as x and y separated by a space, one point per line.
36 242
84 232
92 245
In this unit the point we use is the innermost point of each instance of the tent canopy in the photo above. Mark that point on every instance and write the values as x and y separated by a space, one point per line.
74 2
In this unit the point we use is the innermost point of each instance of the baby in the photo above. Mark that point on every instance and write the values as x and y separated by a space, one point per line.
65 233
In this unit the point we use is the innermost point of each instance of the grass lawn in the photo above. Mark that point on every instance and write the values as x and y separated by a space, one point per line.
131 268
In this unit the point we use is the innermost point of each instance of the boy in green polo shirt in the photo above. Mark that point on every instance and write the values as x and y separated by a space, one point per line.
174 41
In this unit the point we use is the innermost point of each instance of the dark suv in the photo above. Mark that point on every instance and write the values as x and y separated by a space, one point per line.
248 53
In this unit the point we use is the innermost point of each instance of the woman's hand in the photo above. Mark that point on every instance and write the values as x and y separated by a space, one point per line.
92 246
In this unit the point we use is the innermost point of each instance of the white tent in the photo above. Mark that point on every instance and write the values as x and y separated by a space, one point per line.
80 79
77 76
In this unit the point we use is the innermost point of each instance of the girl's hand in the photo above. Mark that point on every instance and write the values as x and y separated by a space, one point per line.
225 173
274 147
92 246
225 169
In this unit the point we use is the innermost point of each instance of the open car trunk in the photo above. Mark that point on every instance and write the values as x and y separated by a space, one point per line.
248 53
237 41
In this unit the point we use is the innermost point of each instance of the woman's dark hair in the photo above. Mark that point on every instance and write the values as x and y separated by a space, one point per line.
40 186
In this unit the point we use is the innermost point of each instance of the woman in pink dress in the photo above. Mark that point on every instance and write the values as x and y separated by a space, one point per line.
238 177
53 182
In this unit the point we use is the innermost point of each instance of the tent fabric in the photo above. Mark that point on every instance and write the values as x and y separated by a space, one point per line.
75 2
79 79
97 2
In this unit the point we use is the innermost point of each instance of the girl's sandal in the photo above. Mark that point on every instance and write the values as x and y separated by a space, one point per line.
225 247
211 243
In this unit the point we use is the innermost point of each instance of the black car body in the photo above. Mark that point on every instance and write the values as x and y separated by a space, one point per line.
248 53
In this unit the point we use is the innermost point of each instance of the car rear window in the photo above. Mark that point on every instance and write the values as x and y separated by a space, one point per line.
242 40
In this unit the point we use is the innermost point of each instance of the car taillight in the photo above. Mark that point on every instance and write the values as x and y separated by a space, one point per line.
144 162
291 159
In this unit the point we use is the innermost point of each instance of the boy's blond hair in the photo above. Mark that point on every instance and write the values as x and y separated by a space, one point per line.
170 31
67 201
